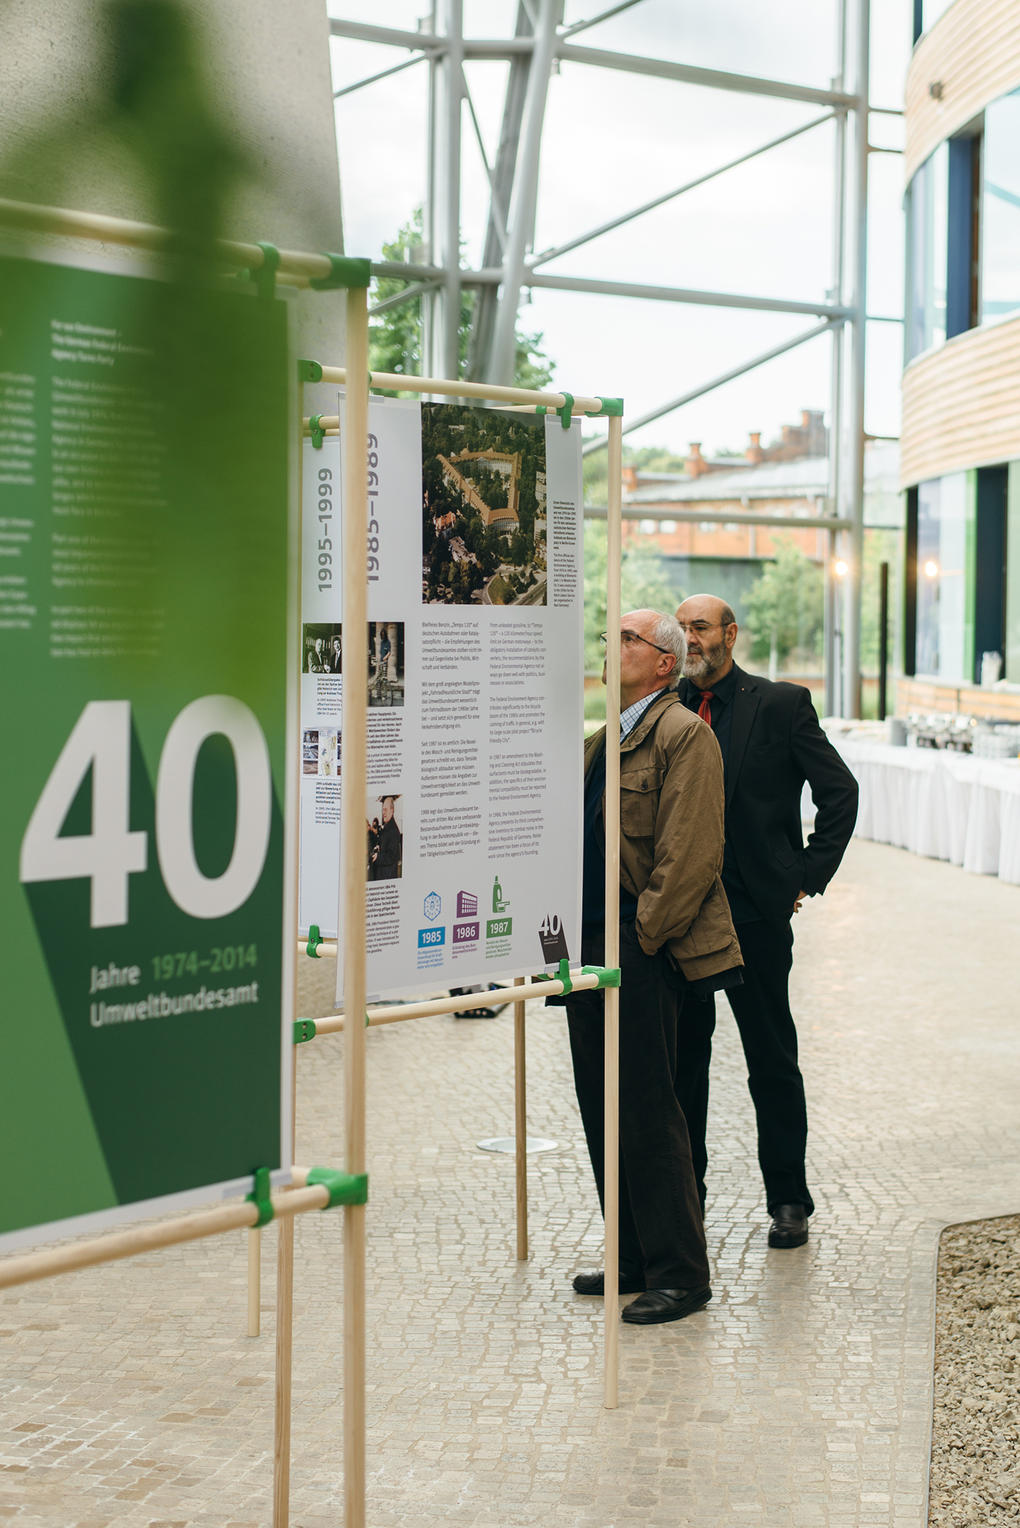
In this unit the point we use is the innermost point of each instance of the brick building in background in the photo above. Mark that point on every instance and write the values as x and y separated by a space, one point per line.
788 477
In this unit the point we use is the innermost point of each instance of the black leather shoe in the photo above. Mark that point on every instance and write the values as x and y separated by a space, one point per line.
595 1283
666 1305
789 1226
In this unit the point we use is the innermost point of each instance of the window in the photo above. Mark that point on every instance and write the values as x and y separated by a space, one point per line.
931 10
945 534
941 220
1000 209
927 255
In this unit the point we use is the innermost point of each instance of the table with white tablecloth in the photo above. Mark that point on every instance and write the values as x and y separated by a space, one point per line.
948 806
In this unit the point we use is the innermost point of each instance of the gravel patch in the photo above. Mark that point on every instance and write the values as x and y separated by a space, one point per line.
975 1467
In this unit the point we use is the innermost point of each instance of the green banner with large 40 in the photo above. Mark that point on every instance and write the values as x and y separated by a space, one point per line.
144 588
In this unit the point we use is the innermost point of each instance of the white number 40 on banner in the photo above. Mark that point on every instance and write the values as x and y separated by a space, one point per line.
101 740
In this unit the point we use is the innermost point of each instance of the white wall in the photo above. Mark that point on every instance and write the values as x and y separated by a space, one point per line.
268 71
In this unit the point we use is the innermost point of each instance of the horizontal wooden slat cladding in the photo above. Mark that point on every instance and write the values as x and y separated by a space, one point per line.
967 699
961 404
973 51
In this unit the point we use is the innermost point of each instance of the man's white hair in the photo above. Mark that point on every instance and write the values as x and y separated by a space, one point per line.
668 634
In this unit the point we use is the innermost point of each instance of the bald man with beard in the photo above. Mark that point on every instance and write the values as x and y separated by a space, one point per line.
771 744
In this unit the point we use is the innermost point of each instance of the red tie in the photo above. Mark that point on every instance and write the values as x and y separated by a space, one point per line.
704 709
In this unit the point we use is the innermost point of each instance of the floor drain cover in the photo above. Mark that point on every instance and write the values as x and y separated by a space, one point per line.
509 1143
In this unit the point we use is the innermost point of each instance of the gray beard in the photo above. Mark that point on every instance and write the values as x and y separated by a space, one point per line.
696 669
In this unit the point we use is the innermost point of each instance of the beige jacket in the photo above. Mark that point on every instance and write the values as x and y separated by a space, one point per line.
671 836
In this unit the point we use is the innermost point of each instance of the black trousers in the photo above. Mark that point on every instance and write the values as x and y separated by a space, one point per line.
662 1237
761 1008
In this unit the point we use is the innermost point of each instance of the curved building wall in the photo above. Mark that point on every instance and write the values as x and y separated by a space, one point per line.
971 55
961 403
961 385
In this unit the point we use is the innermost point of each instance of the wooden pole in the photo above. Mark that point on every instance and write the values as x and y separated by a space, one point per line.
521 1126
396 1013
612 957
295 265
284 1343
49 1261
353 803
285 1244
284 1355
254 1280
448 388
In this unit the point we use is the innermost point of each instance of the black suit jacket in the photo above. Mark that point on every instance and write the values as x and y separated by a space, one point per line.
775 746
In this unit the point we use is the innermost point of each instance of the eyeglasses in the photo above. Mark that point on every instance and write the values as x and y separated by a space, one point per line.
698 627
629 637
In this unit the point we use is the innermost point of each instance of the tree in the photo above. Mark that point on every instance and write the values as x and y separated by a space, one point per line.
652 458
785 607
395 336
644 585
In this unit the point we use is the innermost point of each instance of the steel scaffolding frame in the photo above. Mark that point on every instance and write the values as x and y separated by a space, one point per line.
510 267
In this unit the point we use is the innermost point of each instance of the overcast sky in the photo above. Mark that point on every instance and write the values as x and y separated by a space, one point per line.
613 141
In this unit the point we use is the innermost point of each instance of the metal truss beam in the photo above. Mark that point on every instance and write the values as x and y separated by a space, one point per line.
383 74
697 298
494 249
722 517
593 21
687 294
509 267
711 79
524 195
601 58
668 196
720 381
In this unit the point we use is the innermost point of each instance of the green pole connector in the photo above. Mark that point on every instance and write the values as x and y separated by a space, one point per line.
344 272
567 410
260 1196
316 432
304 1029
563 975
609 976
264 276
314 940
309 371
344 1188
612 406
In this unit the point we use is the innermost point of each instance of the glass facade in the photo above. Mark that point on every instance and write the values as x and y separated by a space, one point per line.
928 242
931 10
963 214
1000 208
945 631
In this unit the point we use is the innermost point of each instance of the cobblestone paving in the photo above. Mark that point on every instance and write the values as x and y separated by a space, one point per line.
800 1397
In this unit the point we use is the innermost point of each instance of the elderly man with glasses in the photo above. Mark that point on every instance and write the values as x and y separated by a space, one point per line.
675 936
771 744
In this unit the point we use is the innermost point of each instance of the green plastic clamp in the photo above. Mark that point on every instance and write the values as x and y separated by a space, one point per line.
613 406
260 1196
264 276
344 272
314 940
563 975
344 1188
309 371
565 413
304 1029
316 432
609 976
